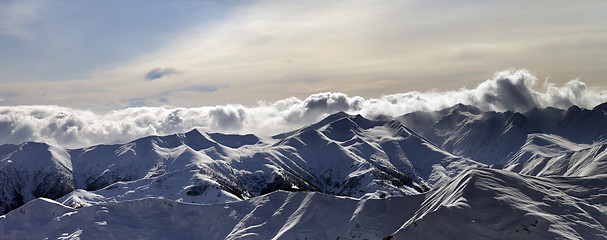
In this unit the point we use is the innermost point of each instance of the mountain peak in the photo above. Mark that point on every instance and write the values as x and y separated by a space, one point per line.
324 122
460 107
573 111
332 118
193 132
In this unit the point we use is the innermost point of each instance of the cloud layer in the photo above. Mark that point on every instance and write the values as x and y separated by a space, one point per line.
508 90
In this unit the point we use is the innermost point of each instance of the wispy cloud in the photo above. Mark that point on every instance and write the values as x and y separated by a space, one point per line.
269 50
157 73
373 49
508 90
16 16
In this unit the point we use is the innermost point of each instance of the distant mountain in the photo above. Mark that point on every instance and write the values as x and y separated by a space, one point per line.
495 137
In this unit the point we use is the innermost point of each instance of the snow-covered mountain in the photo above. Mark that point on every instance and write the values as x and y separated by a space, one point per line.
342 155
495 137
479 204
346 176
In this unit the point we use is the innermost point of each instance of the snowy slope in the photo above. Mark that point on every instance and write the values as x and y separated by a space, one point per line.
31 170
479 204
279 215
549 155
494 204
341 143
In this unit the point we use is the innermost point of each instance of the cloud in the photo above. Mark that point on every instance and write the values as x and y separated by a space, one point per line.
507 90
159 73
275 49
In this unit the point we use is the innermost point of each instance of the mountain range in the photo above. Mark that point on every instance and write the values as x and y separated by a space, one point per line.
459 171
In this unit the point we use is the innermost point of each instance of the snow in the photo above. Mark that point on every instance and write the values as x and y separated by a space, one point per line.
494 204
30 170
479 204
567 159
279 215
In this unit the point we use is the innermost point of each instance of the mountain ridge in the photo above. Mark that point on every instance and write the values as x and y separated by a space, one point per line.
344 155
477 204
458 167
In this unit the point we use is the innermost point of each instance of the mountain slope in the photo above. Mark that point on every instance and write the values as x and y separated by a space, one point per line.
32 170
479 204
279 215
554 156
496 204
387 148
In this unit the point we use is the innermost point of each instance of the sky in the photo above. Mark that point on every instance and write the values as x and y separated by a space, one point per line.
78 73
107 55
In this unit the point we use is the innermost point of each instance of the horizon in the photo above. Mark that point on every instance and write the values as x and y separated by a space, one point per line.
70 127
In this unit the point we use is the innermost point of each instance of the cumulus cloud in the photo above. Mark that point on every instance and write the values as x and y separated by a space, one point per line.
508 90
159 73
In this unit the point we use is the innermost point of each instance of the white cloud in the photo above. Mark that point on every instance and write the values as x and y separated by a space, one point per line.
508 90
